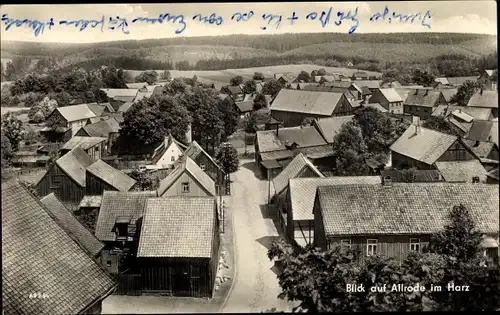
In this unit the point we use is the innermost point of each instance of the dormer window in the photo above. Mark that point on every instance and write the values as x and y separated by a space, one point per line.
121 228
202 166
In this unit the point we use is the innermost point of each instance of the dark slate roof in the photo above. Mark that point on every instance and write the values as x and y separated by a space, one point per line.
413 208
111 176
178 227
74 164
306 102
163 147
70 224
424 97
245 106
194 150
39 256
482 130
488 99
233 89
103 128
420 176
329 127
115 204
292 170
493 173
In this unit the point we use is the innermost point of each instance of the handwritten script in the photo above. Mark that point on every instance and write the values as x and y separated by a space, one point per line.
328 18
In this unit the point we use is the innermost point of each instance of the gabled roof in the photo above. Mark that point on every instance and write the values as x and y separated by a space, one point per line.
442 81
489 72
304 136
462 171
419 176
488 99
462 116
303 191
404 208
483 130
307 102
341 84
39 256
164 146
125 107
448 94
371 84
117 204
70 224
460 80
143 94
139 85
493 174
194 150
329 127
365 90
288 77
377 106
178 227
245 106
76 112
477 113
481 149
187 165
83 142
102 128
119 94
292 170
233 89
111 176
425 98
391 95
74 164
269 142
426 145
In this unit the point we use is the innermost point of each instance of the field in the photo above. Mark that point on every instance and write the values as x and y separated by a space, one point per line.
224 76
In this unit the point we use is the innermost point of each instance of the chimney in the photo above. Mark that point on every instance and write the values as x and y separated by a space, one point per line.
481 92
426 92
416 91
475 179
476 144
189 136
387 181
416 123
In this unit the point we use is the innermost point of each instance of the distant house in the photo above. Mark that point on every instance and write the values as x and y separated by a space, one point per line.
457 81
118 224
486 152
477 113
179 246
244 107
482 130
486 79
66 178
372 85
493 177
485 99
121 95
462 171
422 103
196 153
448 94
394 219
71 117
136 86
286 78
187 179
410 176
292 107
421 147
360 75
443 81
101 176
388 99
34 244
70 224
166 153
89 205
108 128
95 147
234 91
329 127
299 215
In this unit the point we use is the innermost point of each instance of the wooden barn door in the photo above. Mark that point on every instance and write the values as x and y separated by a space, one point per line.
180 280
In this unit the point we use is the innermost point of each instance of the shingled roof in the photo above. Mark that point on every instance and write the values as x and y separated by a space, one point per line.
102 128
83 142
303 191
110 175
39 256
371 84
478 113
488 99
414 208
178 227
329 127
116 204
196 173
70 224
482 130
297 166
425 98
425 145
74 164
461 171
124 95
194 150
307 102
460 80
76 112
391 95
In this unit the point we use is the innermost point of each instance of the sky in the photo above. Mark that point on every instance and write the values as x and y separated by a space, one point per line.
446 16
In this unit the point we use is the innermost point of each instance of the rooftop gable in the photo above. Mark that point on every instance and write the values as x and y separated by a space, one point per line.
307 102
110 175
292 170
74 164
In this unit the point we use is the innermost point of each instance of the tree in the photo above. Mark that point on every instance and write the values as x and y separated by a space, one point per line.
31 135
227 157
237 80
314 73
229 117
321 72
166 75
307 121
149 76
249 87
145 181
304 76
42 110
250 127
13 129
424 78
259 101
378 130
112 78
176 86
440 124
6 152
272 87
151 119
258 76
349 151
10 72
2 78
465 92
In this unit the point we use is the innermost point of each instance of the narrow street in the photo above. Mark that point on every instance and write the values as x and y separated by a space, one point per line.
255 287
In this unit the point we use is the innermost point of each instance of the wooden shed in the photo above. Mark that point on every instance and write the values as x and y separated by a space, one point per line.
101 176
179 246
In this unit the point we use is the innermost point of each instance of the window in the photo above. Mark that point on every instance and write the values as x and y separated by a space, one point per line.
97 149
415 244
108 263
185 187
371 247
55 181
172 159
202 166
345 243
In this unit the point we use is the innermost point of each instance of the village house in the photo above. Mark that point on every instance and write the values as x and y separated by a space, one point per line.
483 130
187 179
89 208
35 246
391 175
485 99
450 111
120 96
292 107
70 224
244 107
117 225
108 128
389 99
196 153
359 75
179 246
329 127
137 85
487 80
101 176
234 91
166 153
95 147
286 78
66 177
457 81
372 85
298 214
471 171
486 152
420 148
422 103
493 177
148 91
69 119
392 220
448 94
